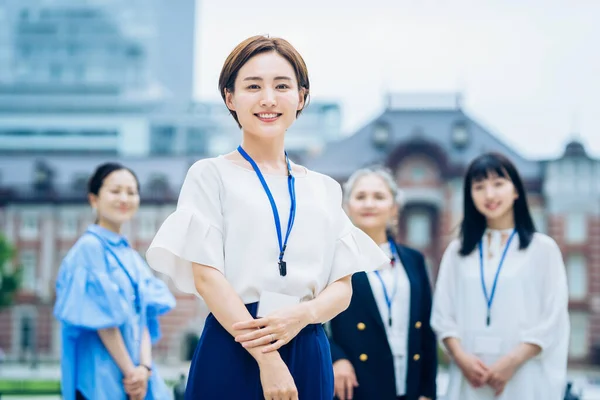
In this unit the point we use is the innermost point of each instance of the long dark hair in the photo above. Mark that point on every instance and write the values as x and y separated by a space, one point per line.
474 223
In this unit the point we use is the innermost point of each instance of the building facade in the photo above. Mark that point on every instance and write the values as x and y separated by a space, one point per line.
43 209
208 129
116 77
428 141
84 76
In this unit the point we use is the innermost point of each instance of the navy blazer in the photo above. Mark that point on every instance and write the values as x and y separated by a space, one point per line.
358 335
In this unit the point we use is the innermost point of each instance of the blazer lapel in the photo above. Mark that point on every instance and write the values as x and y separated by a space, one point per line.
415 287
368 299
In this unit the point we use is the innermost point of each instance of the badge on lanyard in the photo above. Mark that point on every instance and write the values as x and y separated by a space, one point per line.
490 298
292 189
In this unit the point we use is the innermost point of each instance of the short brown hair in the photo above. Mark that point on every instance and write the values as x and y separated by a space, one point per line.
257 45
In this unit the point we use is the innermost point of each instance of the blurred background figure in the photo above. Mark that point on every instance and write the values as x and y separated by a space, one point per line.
500 304
108 301
382 346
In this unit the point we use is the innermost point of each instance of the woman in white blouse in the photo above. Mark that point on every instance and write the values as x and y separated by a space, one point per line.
255 235
500 304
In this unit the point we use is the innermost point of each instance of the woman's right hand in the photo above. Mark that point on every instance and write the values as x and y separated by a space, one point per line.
276 380
474 370
345 379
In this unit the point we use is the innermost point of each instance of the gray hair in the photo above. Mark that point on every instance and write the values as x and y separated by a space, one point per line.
383 173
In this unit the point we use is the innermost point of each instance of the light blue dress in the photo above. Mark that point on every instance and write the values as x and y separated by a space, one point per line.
96 289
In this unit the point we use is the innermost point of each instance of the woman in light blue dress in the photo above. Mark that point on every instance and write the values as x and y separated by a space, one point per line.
109 302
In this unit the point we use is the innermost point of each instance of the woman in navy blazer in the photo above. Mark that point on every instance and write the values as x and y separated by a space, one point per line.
382 346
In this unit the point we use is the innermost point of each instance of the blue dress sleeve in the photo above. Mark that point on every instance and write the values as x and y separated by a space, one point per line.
159 300
86 296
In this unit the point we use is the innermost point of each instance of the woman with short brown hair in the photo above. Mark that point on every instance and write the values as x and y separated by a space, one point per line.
264 242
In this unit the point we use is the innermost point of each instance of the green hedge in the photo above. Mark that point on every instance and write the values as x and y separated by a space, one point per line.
33 386
30 387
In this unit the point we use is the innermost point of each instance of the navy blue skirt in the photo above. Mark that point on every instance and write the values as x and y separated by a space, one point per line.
223 369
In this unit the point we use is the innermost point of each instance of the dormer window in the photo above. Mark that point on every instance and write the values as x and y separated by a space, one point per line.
381 135
460 135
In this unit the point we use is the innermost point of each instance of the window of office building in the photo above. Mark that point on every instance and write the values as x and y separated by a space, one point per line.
539 219
196 141
68 225
418 224
162 139
575 228
28 262
146 226
29 225
579 340
577 276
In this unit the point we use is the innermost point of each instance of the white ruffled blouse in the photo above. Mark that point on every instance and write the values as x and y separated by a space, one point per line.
224 220
530 306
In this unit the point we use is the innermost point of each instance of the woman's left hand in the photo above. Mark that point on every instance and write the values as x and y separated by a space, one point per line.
501 372
274 330
136 383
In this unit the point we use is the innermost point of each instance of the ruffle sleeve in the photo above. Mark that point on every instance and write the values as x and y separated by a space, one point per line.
443 315
194 232
550 330
86 296
354 250
159 301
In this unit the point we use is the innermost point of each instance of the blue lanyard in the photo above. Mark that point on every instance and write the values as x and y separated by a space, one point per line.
490 299
292 189
389 300
134 283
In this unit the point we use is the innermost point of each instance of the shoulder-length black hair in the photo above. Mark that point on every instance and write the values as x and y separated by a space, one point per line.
474 223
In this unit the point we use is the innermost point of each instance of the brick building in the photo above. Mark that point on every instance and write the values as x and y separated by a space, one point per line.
43 209
428 141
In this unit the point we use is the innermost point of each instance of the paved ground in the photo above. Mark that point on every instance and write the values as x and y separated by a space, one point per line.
586 382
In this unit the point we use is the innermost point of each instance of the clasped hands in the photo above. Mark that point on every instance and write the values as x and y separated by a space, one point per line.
478 374
275 330
135 383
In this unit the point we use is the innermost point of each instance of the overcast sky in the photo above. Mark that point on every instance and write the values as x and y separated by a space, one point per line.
529 70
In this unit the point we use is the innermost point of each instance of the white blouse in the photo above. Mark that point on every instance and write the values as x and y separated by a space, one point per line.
224 220
397 334
530 306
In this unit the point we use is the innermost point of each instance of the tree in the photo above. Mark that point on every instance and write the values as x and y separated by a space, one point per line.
9 280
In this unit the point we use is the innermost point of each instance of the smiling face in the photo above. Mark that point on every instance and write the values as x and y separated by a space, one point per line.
371 205
117 200
266 96
494 196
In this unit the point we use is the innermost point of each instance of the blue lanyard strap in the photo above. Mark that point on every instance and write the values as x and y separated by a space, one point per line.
292 217
133 282
490 298
389 300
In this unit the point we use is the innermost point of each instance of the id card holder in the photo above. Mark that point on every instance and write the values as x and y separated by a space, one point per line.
272 301
487 345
